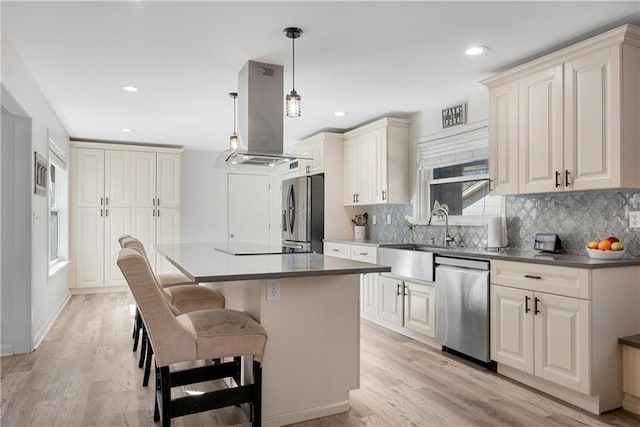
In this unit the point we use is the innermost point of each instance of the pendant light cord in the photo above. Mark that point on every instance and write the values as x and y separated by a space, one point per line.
293 76
234 114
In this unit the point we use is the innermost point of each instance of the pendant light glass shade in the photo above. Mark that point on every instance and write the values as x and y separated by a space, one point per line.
233 139
293 106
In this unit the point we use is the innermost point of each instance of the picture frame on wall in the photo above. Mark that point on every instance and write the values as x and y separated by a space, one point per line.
40 170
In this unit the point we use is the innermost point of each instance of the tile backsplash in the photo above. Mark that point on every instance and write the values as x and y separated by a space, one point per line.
577 217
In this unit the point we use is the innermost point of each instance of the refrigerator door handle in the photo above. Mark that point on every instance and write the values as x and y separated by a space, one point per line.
291 203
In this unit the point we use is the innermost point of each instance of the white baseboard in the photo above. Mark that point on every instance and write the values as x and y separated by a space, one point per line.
306 414
101 290
37 339
6 350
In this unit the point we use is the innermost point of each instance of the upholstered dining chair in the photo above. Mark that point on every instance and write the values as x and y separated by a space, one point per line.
195 336
182 298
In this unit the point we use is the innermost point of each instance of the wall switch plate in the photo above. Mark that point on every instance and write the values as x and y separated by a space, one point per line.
388 219
273 290
634 219
373 220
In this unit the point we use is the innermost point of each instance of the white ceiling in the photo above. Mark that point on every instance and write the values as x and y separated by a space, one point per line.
365 58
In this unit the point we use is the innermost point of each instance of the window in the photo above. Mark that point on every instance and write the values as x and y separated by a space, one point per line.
453 173
58 210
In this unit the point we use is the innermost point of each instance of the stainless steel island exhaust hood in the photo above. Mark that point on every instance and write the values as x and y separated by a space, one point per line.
260 116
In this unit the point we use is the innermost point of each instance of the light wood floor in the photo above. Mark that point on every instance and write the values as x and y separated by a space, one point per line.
85 374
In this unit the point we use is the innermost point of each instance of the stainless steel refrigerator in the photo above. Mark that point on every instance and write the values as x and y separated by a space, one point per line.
303 213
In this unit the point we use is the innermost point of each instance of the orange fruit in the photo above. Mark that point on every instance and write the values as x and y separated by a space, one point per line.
604 245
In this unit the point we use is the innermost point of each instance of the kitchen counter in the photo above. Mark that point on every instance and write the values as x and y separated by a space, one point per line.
308 303
205 262
631 341
577 261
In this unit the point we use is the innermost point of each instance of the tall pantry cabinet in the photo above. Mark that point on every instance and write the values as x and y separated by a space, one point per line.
116 190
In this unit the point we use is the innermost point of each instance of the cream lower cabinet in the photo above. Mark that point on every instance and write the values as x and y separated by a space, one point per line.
407 307
542 334
556 328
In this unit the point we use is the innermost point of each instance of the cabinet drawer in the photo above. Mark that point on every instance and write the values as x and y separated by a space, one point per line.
363 253
338 250
566 281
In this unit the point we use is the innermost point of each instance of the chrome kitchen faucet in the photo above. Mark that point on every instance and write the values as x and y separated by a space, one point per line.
447 237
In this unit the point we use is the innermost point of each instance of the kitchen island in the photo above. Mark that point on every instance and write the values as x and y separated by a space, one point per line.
309 306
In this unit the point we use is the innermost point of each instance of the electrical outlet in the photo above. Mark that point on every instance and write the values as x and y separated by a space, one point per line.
389 219
634 219
373 220
273 290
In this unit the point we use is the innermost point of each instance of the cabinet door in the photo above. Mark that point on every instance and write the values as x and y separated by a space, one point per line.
391 300
90 178
370 294
117 179
143 228
317 164
503 138
562 341
589 150
143 179
512 328
117 221
380 193
168 180
540 131
89 247
351 171
368 168
419 308
167 231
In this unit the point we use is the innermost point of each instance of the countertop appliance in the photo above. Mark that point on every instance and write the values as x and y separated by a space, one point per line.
303 213
462 306
547 242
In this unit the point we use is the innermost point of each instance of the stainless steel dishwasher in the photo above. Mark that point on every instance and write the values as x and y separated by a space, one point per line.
462 306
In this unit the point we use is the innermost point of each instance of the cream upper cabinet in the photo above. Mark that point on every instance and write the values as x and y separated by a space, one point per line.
503 132
90 173
117 184
376 159
576 116
540 126
168 180
143 179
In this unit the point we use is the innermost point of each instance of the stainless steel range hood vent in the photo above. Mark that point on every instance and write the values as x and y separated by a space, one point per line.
260 116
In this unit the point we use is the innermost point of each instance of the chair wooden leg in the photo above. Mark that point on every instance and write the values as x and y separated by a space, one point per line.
137 324
143 347
256 420
147 365
165 396
156 409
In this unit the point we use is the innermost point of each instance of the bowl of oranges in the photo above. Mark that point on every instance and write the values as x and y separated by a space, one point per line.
609 248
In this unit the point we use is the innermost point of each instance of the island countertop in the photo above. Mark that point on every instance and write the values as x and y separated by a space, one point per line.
202 262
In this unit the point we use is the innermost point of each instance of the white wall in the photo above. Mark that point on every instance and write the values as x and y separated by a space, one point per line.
429 121
48 294
204 197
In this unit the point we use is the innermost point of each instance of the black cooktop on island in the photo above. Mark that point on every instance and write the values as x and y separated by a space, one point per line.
247 248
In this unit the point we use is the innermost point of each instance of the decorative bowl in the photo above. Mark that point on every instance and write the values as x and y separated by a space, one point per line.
598 254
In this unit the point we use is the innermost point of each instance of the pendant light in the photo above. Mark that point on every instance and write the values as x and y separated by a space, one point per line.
293 99
233 139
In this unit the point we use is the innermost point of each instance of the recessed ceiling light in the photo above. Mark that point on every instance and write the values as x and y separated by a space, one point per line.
340 114
476 50
130 88
127 130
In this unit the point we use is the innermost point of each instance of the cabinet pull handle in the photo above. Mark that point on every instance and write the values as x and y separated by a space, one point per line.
106 212
566 178
154 202
405 287
154 212
101 201
101 212
158 201
335 250
106 201
535 305
357 197
364 253
384 195
398 289
308 168
531 276
158 213
526 304
557 178
353 197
